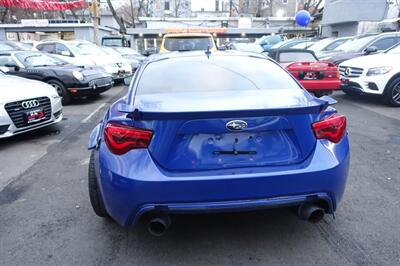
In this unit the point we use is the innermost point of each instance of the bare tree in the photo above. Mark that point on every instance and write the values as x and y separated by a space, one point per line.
4 15
180 5
312 6
117 18
132 9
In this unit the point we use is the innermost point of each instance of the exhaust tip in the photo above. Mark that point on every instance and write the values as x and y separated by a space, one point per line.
158 226
311 213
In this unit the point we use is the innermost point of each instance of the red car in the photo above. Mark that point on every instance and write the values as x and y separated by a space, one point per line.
320 78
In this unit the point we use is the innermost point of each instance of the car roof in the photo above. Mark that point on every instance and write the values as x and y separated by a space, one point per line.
193 54
273 53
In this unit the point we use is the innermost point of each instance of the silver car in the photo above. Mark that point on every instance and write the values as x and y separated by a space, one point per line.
26 105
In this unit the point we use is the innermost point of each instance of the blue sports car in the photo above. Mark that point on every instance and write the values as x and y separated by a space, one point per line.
216 132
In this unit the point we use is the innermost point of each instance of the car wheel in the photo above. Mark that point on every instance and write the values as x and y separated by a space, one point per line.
391 95
350 93
60 88
94 193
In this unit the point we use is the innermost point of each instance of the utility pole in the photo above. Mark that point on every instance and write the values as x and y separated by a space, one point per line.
95 20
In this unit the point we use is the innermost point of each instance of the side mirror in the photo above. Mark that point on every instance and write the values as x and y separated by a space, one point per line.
11 65
66 53
370 50
127 80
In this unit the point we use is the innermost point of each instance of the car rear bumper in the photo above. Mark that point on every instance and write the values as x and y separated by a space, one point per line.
132 184
321 85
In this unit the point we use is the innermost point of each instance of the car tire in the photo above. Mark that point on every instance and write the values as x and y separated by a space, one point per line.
60 88
391 95
94 193
350 93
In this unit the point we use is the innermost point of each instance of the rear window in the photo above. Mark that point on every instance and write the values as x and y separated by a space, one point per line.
219 73
187 43
296 57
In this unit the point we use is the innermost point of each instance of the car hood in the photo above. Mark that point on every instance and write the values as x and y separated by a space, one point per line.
86 71
339 57
16 88
376 60
103 59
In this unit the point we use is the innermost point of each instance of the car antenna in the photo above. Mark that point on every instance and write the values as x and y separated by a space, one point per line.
208 52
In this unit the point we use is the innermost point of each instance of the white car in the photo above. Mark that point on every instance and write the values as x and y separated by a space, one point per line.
84 53
377 74
26 105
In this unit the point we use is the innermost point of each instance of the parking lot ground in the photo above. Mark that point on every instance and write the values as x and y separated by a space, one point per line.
46 217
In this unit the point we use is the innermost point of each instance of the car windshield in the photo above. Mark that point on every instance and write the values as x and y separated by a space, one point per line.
6 47
394 50
355 45
270 39
320 45
218 73
335 44
38 60
248 47
112 42
187 43
84 48
289 57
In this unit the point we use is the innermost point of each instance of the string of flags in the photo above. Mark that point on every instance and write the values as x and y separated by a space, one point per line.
43 4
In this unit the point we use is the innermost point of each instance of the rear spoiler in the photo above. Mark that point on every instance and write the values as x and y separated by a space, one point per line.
309 63
320 105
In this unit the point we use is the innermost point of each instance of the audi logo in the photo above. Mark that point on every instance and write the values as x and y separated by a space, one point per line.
30 104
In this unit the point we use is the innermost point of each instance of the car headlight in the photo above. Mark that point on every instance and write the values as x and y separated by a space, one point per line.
378 70
78 75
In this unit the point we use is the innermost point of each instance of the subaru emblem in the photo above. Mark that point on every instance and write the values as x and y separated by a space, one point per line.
236 125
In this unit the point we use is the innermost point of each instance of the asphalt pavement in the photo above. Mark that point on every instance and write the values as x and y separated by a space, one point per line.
46 217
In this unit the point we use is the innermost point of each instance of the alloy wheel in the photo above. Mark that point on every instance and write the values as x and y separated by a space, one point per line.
396 93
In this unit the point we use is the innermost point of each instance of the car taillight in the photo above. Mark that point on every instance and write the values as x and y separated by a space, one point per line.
331 128
120 138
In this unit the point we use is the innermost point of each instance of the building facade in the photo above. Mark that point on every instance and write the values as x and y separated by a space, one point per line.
355 17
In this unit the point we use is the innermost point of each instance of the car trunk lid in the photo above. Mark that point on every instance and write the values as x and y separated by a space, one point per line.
190 135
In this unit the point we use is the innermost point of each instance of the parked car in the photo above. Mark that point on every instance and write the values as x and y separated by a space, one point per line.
362 45
320 78
303 45
223 132
247 47
327 45
292 42
83 53
377 74
69 81
12 46
26 105
127 54
182 42
267 41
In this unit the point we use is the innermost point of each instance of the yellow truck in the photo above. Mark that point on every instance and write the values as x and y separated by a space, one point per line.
183 42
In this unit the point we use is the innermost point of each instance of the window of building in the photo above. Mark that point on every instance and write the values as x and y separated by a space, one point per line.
216 5
166 5
285 1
